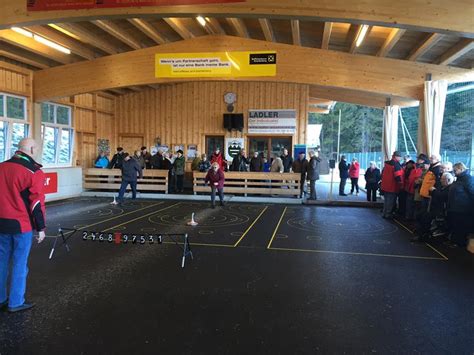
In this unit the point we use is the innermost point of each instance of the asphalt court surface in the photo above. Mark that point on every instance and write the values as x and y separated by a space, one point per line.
345 230
357 231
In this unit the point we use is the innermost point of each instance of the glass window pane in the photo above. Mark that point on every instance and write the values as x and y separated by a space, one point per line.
47 113
62 115
2 112
65 152
19 131
3 137
15 107
212 143
259 145
49 145
278 144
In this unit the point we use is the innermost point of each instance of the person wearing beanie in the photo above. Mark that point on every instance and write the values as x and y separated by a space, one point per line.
392 182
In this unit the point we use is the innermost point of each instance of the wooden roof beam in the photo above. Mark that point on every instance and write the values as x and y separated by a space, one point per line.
148 30
390 77
19 40
215 26
239 27
115 31
63 40
318 110
392 39
455 52
424 46
177 25
320 102
295 32
326 35
267 29
85 36
118 91
22 59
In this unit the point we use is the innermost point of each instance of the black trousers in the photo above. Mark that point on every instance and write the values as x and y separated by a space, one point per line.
213 194
371 192
342 186
355 185
179 182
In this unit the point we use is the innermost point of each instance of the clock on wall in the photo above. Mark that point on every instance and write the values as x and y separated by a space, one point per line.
229 99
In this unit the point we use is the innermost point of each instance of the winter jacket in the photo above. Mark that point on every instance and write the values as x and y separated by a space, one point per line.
431 179
439 200
219 160
313 168
300 166
130 170
256 164
239 163
156 161
372 177
461 195
140 160
116 162
21 195
179 166
101 162
392 176
354 170
215 176
415 174
277 166
204 166
147 160
343 169
287 162
195 163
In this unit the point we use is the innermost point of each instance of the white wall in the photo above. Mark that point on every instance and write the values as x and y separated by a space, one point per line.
69 183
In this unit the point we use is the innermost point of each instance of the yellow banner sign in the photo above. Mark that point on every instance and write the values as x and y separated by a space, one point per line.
215 65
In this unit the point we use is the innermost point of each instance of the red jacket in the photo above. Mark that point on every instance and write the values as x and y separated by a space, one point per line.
414 175
392 175
21 195
354 170
219 160
215 176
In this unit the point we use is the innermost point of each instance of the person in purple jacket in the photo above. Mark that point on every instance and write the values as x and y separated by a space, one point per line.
215 178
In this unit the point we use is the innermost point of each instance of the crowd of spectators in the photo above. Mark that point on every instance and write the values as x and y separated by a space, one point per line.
437 197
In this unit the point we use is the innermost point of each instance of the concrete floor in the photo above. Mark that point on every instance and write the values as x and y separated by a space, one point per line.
264 279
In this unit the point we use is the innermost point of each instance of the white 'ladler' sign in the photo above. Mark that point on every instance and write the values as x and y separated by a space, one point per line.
272 121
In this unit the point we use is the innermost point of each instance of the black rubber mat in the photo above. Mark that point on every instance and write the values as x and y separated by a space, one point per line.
334 280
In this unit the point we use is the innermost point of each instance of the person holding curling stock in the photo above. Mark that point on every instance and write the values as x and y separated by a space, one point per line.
22 209
215 178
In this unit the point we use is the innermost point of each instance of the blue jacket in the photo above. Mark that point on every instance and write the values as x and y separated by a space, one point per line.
130 170
461 194
101 162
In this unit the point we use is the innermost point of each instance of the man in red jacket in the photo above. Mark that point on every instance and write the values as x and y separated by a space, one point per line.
391 183
21 210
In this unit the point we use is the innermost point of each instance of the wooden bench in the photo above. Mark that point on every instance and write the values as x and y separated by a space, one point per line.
286 184
110 179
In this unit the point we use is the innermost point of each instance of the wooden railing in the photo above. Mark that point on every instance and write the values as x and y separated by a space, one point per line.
286 184
110 179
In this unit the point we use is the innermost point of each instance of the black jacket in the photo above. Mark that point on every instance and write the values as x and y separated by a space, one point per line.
287 163
344 169
239 163
461 195
436 170
130 170
117 161
300 166
256 164
313 168
157 161
204 166
372 177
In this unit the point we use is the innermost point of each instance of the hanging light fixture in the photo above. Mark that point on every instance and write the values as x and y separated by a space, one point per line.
201 20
